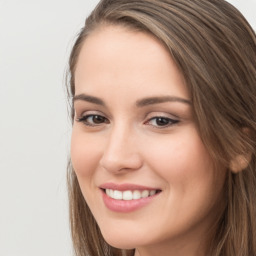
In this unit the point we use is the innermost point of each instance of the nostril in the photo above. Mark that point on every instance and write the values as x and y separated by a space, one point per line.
120 164
120 154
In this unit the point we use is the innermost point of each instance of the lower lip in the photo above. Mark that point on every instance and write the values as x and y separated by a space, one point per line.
125 206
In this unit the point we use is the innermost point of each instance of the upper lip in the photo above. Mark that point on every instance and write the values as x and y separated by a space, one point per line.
126 186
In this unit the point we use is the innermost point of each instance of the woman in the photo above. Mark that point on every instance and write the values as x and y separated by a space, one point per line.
163 142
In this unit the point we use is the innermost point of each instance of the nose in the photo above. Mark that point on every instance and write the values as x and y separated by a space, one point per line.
121 153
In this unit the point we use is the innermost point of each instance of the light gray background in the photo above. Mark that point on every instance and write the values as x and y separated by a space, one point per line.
35 41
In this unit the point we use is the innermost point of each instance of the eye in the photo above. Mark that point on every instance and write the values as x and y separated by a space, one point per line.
161 122
93 120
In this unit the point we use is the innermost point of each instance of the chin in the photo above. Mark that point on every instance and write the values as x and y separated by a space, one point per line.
117 243
121 241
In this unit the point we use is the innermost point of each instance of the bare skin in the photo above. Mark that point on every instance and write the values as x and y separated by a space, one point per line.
134 124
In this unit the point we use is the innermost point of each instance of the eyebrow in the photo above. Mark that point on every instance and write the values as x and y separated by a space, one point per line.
160 99
139 103
89 98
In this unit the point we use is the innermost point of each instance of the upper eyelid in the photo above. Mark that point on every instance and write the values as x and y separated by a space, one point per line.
161 114
89 112
154 115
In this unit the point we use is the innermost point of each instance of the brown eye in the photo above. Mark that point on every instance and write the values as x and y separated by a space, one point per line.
93 120
162 122
98 119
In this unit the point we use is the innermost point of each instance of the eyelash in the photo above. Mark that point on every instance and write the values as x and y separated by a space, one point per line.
167 121
84 119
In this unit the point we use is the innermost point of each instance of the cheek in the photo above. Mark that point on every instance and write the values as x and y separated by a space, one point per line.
185 165
180 156
85 157
84 153
193 187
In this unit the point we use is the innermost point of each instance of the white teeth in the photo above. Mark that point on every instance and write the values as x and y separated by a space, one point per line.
129 195
136 194
111 193
118 194
145 193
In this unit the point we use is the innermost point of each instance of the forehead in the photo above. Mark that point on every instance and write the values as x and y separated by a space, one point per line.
114 55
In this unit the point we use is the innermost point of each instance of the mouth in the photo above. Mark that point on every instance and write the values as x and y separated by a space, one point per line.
129 195
125 198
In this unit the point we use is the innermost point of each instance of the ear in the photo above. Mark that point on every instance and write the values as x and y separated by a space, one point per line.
240 162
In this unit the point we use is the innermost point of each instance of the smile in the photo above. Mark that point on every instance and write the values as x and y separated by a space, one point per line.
129 194
125 198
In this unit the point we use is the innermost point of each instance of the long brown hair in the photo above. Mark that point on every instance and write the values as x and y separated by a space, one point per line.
214 48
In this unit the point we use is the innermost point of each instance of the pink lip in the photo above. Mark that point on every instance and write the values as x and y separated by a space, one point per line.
124 206
125 186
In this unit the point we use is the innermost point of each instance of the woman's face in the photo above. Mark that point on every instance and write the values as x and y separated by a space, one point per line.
141 165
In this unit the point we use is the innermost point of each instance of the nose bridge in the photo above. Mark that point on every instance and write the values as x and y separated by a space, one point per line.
120 152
